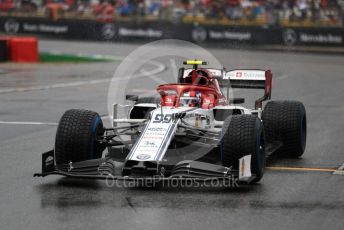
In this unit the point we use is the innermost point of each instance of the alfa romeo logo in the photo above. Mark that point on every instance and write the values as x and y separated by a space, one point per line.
11 26
199 34
108 31
289 37
143 157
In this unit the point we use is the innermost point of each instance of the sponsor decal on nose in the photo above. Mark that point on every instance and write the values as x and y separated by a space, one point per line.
143 157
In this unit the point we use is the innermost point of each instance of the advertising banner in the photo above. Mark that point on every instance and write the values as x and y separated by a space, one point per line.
131 31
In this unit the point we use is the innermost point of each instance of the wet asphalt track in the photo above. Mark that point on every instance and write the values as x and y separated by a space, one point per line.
282 200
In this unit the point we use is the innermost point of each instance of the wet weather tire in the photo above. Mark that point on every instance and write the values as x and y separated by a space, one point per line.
243 135
285 122
76 136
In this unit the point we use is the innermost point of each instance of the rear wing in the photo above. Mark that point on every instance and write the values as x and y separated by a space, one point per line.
250 79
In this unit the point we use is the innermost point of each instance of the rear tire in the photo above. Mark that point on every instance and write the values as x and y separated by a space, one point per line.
76 136
243 135
286 122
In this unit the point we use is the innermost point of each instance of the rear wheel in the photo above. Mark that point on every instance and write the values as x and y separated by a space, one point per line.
285 122
76 136
243 135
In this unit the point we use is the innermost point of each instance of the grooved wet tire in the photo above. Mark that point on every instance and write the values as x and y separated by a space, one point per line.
243 135
76 136
285 121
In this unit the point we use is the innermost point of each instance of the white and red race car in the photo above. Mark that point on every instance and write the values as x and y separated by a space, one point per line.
192 130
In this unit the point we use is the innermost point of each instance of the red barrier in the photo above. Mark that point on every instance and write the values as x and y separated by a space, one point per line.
23 49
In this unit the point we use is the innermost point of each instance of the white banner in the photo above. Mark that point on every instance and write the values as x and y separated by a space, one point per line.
155 139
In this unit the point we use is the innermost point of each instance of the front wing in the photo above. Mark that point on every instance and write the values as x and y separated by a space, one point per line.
107 168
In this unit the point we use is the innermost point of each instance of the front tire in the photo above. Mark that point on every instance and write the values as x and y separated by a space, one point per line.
76 136
243 135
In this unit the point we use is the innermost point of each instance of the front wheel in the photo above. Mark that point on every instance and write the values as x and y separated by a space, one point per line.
243 135
76 136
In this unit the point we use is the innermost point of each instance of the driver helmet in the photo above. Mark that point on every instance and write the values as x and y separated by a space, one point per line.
190 102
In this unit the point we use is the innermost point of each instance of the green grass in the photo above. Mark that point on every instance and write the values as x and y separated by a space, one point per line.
52 57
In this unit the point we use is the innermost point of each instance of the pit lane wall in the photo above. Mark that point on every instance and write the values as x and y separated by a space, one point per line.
126 31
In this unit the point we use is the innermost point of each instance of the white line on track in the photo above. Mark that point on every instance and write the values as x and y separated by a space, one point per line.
54 86
144 73
36 123
27 123
340 170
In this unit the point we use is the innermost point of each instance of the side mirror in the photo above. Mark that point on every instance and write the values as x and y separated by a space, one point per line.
130 97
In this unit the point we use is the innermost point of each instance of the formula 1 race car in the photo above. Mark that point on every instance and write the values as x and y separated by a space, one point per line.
192 130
